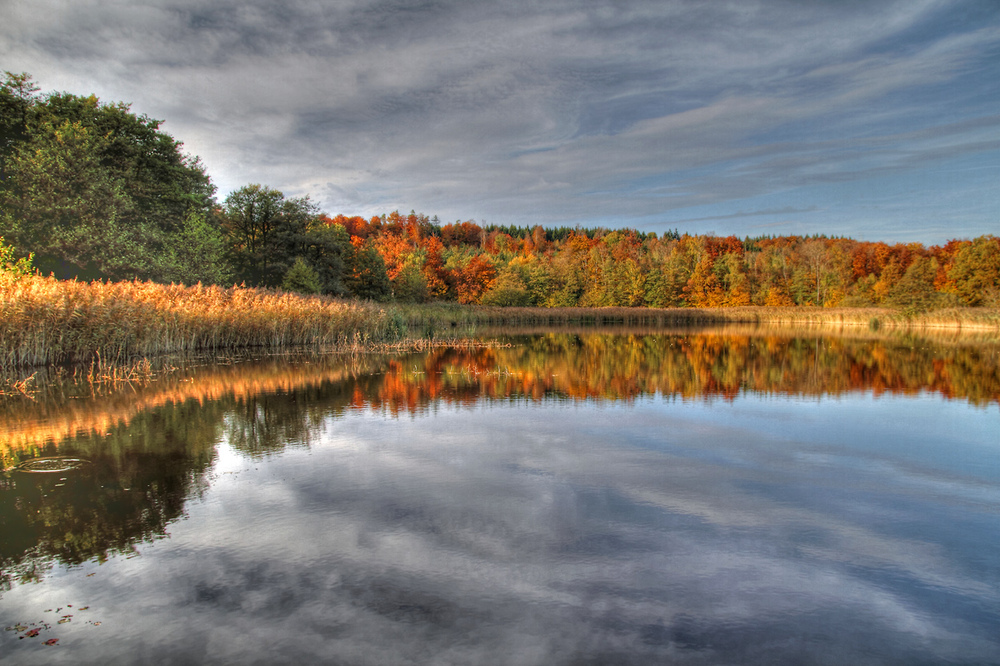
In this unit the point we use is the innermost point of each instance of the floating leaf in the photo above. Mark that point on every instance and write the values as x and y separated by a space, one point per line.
33 633
64 620
20 627
52 641
83 608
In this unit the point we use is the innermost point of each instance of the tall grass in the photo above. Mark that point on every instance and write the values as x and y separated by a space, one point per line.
438 317
46 321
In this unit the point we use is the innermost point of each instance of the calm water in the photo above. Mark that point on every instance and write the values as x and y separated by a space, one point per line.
704 498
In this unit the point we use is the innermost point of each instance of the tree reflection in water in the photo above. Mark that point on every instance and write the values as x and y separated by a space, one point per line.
149 447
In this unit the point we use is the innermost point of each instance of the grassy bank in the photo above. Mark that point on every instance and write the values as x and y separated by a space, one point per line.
44 321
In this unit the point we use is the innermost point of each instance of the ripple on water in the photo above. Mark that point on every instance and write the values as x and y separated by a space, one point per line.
50 464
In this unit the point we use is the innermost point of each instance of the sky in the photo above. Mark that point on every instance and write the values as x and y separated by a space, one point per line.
871 119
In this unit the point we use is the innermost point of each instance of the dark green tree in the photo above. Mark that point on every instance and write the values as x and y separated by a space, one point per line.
250 215
163 182
266 232
17 96
327 247
93 189
366 274
59 203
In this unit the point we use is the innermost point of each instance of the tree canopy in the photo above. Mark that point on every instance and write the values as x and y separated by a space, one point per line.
97 191
94 189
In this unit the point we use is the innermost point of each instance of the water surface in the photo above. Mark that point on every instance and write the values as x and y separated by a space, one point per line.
607 498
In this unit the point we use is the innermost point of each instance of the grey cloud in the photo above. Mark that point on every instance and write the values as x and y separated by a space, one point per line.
472 537
787 210
522 111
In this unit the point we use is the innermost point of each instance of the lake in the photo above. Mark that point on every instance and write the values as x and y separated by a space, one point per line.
716 496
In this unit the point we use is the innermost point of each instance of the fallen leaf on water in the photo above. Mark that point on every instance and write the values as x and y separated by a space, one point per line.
52 641
33 633
64 620
83 608
91 574
20 627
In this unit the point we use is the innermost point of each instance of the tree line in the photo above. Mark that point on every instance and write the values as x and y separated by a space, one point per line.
94 191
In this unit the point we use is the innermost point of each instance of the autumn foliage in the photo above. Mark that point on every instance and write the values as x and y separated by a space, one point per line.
470 263
94 191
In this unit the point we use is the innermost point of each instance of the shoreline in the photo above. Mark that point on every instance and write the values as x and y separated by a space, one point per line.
45 322
957 319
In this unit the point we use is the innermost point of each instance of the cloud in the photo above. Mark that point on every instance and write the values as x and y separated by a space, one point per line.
525 112
787 210
467 536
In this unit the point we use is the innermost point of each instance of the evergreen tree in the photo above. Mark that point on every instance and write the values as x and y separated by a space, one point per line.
301 277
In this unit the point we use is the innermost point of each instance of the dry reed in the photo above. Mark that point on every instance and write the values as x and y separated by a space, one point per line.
45 321
444 316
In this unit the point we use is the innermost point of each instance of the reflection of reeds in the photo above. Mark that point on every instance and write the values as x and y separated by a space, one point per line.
423 344
76 407
105 372
18 386
596 366
45 321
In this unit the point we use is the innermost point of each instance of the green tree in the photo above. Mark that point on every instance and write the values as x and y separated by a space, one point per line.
250 216
915 290
162 182
93 189
199 252
327 248
301 277
17 96
410 285
507 290
266 232
366 274
11 265
61 204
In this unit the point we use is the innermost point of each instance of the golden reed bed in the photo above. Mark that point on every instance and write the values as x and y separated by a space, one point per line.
44 321
966 319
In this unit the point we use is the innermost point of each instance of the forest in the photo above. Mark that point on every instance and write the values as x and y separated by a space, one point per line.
92 191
